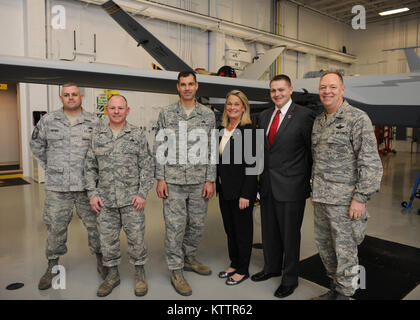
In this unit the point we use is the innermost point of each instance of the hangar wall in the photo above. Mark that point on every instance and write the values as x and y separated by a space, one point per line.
25 28
9 134
22 30
369 44
297 22
393 33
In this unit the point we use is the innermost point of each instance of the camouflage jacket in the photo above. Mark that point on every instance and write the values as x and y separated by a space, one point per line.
346 164
61 148
117 169
181 169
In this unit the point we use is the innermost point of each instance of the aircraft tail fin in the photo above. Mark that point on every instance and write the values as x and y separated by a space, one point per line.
255 70
413 58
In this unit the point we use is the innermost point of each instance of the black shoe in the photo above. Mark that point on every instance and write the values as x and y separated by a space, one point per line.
231 282
224 274
284 291
261 276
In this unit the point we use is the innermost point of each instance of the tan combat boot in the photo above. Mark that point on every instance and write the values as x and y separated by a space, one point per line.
100 267
331 295
111 281
190 264
179 283
46 279
140 283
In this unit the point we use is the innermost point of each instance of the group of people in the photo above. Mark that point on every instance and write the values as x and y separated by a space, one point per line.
106 169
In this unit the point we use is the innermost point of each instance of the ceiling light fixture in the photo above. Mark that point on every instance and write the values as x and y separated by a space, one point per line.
386 13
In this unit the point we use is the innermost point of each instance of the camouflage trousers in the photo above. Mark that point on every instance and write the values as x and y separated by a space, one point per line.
110 221
58 212
337 237
184 211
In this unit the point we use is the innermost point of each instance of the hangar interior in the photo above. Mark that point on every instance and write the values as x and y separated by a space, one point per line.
206 34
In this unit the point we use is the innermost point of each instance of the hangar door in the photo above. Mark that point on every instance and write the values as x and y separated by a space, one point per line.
9 128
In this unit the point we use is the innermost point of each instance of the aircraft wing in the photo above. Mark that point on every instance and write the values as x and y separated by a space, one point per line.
96 75
389 99
163 55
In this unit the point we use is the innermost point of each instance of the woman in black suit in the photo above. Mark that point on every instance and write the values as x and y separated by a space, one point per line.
237 190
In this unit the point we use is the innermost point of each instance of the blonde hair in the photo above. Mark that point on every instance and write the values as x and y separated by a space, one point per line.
246 116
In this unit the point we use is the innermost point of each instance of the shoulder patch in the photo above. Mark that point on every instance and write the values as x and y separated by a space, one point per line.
35 133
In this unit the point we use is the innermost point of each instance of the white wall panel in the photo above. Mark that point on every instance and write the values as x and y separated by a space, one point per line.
256 14
36 98
217 45
24 33
199 6
251 13
9 133
116 46
288 20
394 33
368 45
314 28
34 28
11 27
306 25
324 31
288 62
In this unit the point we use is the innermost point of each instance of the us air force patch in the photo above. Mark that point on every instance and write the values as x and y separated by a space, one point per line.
35 133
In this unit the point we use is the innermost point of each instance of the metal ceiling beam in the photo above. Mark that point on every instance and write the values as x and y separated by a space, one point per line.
373 18
342 11
300 3
375 12
345 5
366 4
318 3
164 12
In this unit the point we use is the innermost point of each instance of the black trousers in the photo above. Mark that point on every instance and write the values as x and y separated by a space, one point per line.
239 228
280 226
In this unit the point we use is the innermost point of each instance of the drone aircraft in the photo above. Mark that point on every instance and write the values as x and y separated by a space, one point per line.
391 100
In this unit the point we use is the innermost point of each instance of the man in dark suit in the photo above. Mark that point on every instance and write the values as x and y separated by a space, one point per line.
284 184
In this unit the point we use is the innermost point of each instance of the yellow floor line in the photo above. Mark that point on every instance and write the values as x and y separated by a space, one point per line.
11 176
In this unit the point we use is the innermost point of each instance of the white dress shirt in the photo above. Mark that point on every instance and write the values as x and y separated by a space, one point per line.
283 112
226 136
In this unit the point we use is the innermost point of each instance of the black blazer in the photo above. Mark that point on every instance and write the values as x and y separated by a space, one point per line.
288 162
232 182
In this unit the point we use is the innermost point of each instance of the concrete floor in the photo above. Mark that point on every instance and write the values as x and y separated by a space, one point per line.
23 235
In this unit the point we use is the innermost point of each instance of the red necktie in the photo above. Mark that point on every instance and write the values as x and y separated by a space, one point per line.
273 128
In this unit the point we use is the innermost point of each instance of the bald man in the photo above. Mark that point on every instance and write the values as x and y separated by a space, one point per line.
119 172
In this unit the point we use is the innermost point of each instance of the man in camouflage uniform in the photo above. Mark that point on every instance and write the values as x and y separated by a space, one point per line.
346 171
59 142
184 185
119 171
